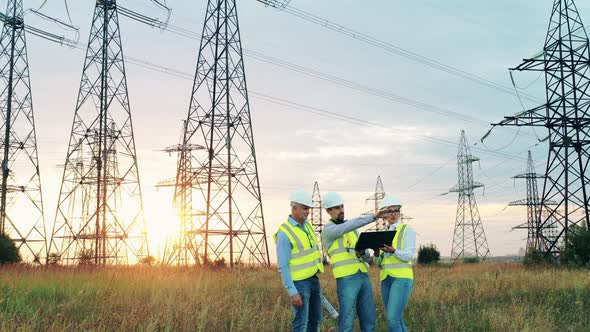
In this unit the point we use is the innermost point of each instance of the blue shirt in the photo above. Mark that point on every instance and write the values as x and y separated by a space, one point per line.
284 256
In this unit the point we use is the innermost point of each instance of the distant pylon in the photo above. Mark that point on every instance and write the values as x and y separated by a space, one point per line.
534 207
110 227
566 115
226 176
21 201
469 239
316 212
183 248
376 198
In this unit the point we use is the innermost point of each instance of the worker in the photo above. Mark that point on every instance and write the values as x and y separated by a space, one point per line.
300 261
395 261
350 268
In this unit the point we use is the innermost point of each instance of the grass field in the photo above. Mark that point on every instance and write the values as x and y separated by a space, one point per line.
496 297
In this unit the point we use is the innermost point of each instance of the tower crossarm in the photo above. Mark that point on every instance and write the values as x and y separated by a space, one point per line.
166 183
466 187
183 147
529 176
467 159
525 202
522 202
521 226
535 63
279 4
534 117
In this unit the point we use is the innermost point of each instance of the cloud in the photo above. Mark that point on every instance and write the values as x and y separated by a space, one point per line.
347 141
329 152
335 174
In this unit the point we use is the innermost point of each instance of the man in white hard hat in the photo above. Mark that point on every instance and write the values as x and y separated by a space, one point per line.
300 260
355 294
395 262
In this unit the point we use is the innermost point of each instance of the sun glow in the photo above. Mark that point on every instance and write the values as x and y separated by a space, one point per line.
162 223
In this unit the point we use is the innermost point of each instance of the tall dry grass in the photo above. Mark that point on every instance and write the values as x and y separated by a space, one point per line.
479 297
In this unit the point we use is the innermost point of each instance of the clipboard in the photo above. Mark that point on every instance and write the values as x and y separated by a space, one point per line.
374 240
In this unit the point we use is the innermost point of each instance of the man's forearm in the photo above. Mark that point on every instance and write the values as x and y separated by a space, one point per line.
288 280
405 254
334 231
284 259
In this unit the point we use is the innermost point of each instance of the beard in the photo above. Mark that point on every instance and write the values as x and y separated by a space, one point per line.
340 219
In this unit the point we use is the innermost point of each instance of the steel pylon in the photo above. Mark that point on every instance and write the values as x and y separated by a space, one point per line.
565 62
21 200
534 207
376 199
316 213
107 226
225 174
469 239
183 248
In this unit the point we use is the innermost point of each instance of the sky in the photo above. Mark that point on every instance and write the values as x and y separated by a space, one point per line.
296 148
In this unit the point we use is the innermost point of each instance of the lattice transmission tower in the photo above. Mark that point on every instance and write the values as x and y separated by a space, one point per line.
107 226
565 61
21 200
316 212
183 249
225 175
469 239
534 207
376 198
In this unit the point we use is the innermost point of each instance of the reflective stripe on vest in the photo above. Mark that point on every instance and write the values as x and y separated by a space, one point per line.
306 258
343 257
393 266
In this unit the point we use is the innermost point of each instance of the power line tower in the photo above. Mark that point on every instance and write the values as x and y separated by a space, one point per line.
112 230
534 208
316 212
380 224
21 200
564 61
184 249
469 238
219 119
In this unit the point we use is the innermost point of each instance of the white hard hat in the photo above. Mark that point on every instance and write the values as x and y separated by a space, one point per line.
388 201
301 197
332 199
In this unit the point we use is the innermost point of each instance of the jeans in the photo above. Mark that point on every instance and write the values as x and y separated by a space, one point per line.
355 292
308 317
396 293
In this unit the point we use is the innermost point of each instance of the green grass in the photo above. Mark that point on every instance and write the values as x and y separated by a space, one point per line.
470 297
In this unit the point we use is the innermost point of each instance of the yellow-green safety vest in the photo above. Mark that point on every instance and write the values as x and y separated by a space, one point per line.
393 266
343 257
306 257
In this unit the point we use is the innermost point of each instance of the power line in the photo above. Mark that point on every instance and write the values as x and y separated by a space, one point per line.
327 24
305 108
341 81
187 33
313 109
431 173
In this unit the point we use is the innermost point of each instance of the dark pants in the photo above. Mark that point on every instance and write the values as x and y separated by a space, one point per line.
308 317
